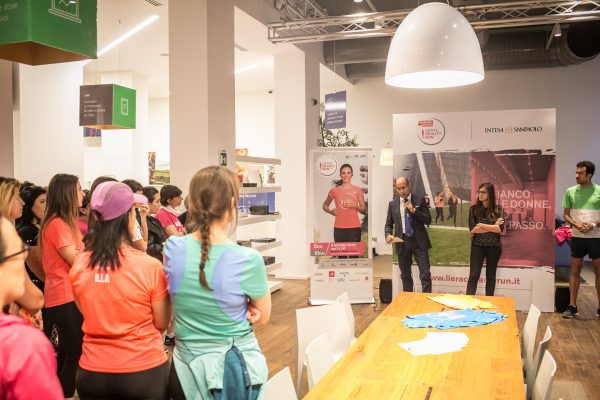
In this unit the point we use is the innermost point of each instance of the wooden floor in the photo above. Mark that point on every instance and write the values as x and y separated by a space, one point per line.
575 345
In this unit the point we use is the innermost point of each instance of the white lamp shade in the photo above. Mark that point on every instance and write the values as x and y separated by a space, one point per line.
434 47
386 158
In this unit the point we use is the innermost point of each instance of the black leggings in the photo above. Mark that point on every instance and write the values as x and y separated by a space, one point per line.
68 321
439 212
491 254
346 234
150 384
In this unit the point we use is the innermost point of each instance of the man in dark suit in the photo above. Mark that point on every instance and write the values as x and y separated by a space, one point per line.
409 222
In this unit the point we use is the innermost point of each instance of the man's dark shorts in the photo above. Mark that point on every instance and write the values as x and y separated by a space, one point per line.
580 247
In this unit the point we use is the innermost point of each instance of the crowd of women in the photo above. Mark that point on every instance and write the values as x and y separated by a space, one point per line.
101 275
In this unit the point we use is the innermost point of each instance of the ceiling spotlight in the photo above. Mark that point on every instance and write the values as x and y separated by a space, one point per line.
358 1
556 31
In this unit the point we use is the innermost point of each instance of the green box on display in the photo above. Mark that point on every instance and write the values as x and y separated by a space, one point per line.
37 32
107 106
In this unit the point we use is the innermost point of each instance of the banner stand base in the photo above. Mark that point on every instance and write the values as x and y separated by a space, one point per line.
321 302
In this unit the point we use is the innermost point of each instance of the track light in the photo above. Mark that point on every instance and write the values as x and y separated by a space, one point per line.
556 31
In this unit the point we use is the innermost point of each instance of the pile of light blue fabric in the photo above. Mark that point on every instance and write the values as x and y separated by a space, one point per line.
453 319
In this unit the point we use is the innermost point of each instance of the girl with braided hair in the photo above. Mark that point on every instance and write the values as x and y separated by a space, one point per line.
218 290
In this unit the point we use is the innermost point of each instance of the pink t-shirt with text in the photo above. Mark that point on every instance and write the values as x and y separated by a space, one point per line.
167 218
346 201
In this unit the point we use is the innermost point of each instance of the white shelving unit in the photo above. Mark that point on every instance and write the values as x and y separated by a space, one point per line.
262 189
256 219
267 246
258 160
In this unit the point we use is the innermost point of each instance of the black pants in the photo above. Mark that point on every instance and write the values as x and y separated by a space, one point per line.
346 234
405 257
151 384
452 214
491 254
68 321
439 212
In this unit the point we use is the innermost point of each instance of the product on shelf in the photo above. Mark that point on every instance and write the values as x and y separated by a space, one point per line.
263 240
269 260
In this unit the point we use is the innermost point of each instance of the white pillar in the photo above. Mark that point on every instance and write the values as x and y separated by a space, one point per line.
48 139
202 86
296 90
7 166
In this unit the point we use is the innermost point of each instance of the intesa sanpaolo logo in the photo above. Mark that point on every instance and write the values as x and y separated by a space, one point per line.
431 131
326 165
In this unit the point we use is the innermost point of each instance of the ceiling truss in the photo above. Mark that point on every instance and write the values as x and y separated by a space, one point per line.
322 28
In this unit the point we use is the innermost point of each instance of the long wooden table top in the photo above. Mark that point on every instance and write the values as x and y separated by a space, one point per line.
376 367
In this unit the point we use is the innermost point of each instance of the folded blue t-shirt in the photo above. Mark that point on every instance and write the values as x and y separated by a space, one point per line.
453 319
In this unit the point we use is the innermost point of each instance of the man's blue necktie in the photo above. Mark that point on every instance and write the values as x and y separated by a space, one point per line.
407 223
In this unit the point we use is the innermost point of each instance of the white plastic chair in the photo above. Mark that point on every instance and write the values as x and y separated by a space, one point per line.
528 339
542 388
345 300
537 359
319 359
281 386
314 321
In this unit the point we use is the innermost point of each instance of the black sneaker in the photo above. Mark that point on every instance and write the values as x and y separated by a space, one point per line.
570 312
169 340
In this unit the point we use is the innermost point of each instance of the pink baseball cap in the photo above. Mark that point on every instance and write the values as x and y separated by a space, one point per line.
113 199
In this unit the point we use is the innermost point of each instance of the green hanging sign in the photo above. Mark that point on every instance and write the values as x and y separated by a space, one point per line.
107 107
37 32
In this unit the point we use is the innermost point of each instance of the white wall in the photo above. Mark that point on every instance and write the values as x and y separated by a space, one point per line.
158 129
255 123
47 135
574 92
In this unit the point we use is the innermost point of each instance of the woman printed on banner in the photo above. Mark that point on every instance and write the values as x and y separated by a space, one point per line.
349 201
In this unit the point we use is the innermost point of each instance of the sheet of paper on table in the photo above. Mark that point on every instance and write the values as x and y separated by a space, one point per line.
437 343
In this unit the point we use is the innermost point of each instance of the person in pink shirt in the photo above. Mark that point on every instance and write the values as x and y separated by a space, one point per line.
349 201
170 199
61 243
27 362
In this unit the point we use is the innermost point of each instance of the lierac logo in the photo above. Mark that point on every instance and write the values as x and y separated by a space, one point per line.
326 165
431 131
514 129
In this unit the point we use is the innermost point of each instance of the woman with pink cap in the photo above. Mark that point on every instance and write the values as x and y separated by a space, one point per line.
122 294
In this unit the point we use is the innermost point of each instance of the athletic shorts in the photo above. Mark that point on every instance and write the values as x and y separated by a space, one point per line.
582 246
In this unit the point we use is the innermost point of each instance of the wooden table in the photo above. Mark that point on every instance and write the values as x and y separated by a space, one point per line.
376 367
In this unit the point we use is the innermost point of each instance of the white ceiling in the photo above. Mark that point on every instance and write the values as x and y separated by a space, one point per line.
146 52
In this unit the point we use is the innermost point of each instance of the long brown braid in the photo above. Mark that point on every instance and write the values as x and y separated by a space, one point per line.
210 194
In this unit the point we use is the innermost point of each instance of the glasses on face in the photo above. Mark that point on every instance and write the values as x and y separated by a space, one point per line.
483 192
25 250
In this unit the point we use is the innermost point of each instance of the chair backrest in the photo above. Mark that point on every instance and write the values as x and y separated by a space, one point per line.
319 359
537 359
529 333
314 321
281 386
345 300
542 388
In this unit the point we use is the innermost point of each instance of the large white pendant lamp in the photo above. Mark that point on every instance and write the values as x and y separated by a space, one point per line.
434 47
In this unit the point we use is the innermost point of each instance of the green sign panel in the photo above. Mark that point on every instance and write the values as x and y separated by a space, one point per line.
107 107
39 32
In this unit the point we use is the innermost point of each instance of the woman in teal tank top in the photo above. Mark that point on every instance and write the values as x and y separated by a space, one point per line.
218 290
